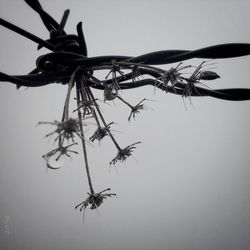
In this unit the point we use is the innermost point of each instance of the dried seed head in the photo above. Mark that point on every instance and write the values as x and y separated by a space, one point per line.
61 150
95 200
69 127
100 133
110 92
136 109
65 129
123 154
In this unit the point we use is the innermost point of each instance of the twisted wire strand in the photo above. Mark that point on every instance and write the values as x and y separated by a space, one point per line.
69 51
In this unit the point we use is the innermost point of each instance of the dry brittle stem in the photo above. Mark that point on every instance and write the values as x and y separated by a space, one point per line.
103 120
66 105
86 94
125 102
94 101
83 141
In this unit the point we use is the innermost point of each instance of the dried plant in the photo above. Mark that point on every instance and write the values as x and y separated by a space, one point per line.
68 63
124 153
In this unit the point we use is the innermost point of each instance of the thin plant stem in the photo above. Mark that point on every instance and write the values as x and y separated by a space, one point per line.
83 142
94 113
103 120
66 105
125 101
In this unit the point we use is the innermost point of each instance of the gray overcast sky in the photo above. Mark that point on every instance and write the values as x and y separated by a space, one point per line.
187 186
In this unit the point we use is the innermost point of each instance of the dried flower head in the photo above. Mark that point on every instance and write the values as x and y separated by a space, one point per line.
123 154
65 129
95 200
195 78
172 76
115 67
191 81
110 92
136 109
62 150
136 73
100 133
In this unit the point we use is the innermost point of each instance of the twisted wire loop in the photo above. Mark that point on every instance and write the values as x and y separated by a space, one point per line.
69 51
68 63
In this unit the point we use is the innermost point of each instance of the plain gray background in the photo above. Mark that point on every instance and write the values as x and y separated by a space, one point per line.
186 186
